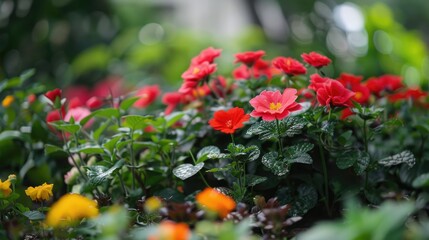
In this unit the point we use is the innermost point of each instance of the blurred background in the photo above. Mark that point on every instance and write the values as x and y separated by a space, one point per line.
83 42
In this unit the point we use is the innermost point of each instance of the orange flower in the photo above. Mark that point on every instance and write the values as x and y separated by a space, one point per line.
168 230
215 201
229 121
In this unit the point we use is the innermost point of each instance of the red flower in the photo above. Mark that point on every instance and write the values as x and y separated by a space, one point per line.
94 102
316 81
171 99
31 98
229 121
220 87
348 80
315 59
206 55
362 93
272 105
249 58
333 93
384 83
412 93
241 73
195 74
289 66
75 102
53 95
147 95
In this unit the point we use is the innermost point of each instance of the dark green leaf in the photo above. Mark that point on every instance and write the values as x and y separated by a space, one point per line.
362 163
289 127
421 181
298 153
278 167
348 158
403 157
209 152
111 143
252 180
100 130
187 170
98 174
304 201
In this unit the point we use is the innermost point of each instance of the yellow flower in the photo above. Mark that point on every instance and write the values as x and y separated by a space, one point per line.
40 193
5 188
7 101
69 209
152 204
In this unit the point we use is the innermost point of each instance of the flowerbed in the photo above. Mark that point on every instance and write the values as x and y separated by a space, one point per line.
265 153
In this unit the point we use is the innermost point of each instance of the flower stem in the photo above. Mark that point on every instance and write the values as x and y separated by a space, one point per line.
365 141
201 175
132 159
232 138
325 179
279 137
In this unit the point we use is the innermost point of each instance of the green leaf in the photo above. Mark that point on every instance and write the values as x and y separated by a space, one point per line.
10 134
402 157
67 127
135 121
347 159
304 201
111 143
127 103
185 171
298 153
52 148
104 113
289 127
278 167
173 118
252 180
34 215
241 153
88 149
362 163
27 75
100 130
98 174
209 152
421 181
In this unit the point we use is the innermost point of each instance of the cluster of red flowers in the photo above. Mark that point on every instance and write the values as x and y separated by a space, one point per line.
199 81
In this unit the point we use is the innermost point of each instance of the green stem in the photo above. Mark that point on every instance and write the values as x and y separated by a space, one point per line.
325 179
280 142
201 175
365 138
232 138
365 141
285 79
132 159
122 184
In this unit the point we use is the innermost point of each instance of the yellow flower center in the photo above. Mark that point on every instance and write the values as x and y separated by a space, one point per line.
195 71
275 106
358 95
229 123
